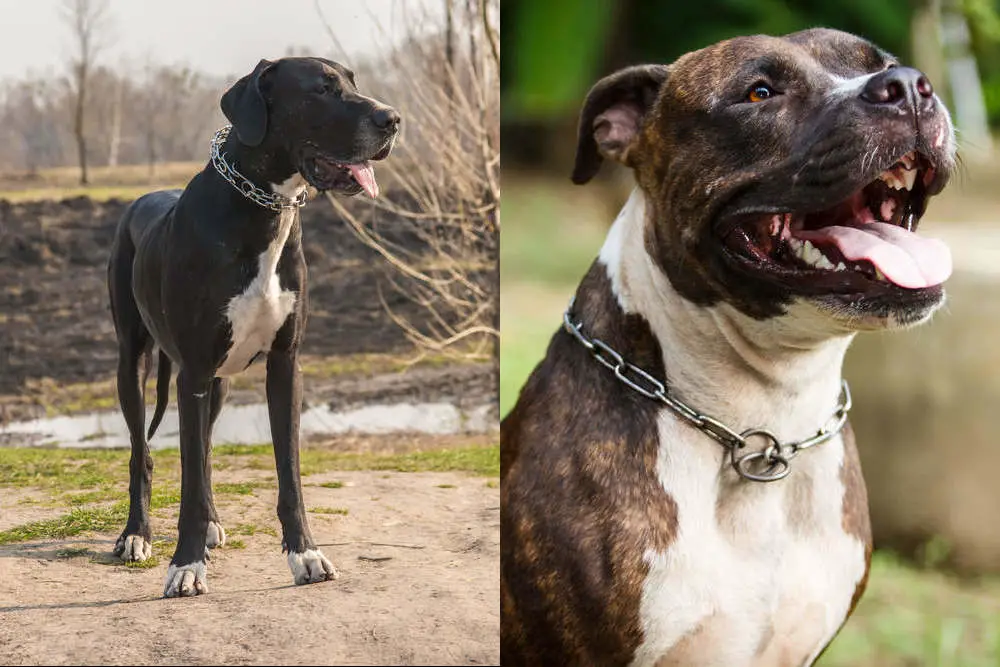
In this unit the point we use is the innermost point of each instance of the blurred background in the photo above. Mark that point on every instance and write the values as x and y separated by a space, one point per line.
927 401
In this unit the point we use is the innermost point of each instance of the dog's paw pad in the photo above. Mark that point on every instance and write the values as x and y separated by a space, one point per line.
133 548
310 566
185 580
215 536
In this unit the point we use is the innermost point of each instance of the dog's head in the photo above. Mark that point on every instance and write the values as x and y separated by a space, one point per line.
311 109
783 169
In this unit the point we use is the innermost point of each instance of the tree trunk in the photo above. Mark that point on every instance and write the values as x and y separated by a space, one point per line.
116 123
81 140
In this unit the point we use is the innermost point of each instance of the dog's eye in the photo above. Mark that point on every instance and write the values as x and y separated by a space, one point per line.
760 92
325 88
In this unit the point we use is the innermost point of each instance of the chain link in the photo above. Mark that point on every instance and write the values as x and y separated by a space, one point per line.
271 200
768 464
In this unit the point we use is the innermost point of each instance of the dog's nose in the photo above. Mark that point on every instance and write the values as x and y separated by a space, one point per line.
386 118
897 85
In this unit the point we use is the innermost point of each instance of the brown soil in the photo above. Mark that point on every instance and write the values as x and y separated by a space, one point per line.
418 555
55 321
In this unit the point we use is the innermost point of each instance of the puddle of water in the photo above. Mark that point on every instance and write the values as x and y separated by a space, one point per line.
248 424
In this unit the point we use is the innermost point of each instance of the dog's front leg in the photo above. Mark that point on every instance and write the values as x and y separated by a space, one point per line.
284 403
186 574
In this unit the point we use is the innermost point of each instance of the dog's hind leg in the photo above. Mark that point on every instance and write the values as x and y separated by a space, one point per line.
134 358
215 536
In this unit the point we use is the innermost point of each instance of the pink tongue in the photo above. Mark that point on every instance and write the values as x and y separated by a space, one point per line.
903 257
365 176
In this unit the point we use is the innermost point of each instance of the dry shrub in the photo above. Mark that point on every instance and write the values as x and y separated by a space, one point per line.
437 222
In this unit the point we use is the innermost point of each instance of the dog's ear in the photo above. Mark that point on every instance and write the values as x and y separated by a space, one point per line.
613 115
245 106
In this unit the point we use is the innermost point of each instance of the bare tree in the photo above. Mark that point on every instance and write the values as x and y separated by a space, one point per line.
86 20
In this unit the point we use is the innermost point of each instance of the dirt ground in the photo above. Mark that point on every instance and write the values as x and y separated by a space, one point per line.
418 555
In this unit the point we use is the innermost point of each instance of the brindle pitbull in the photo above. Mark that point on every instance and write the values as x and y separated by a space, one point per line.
779 184
214 277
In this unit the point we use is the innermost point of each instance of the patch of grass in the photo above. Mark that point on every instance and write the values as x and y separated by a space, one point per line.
493 483
446 486
61 469
476 460
243 529
913 616
72 552
329 510
250 529
106 494
79 520
165 497
237 488
235 544
73 470
243 450
372 364
331 485
147 564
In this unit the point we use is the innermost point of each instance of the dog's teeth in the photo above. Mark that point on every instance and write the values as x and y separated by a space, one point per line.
810 254
909 177
890 179
841 267
823 263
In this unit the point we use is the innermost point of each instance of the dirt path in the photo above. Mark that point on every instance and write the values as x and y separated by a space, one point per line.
435 600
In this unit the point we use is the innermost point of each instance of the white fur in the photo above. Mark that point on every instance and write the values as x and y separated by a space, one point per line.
747 558
848 87
215 535
310 566
256 315
137 549
185 580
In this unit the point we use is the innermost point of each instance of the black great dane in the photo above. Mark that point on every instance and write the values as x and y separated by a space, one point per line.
215 278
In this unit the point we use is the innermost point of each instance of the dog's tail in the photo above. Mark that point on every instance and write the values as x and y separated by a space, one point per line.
162 392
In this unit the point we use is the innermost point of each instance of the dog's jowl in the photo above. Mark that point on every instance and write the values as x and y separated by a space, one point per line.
214 278
702 502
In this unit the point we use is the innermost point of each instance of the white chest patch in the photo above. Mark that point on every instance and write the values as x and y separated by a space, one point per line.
261 309
758 574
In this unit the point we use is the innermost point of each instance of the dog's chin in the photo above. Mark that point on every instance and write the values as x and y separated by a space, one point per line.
859 260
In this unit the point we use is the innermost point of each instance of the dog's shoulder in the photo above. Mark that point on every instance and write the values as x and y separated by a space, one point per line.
580 492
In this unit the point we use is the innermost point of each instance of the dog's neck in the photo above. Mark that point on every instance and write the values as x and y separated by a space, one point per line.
267 167
781 374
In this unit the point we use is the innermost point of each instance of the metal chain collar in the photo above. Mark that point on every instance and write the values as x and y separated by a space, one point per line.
769 464
271 200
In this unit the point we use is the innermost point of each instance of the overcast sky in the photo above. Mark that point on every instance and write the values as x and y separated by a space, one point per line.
216 36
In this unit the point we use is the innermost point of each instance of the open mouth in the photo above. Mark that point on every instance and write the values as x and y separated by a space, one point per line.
866 240
344 178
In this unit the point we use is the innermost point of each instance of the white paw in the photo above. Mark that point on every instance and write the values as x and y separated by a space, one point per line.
135 548
185 580
215 536
310 566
